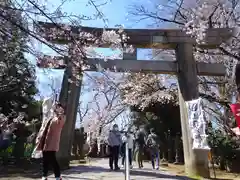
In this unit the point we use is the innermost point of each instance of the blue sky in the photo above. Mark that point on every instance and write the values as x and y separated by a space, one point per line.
117 14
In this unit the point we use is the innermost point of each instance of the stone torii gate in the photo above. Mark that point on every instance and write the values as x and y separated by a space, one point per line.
186 69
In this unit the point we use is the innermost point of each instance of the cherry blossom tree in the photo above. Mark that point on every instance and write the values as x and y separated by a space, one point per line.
143 90
82 112
107 105
23 17
195 17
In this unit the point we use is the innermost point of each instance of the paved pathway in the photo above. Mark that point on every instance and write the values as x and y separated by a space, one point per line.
99 170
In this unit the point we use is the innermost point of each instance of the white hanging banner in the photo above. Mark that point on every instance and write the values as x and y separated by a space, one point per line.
47 107
197 123
47 114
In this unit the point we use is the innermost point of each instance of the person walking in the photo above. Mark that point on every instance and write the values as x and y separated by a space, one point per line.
114 143
129 139
6 137
153 144
140 144
48 139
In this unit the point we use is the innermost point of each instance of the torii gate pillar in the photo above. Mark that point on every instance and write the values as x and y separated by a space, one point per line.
69 98
196 161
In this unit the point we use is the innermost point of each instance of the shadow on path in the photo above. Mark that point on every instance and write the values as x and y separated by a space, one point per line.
21 172
33 171
143 172
135 172
77 178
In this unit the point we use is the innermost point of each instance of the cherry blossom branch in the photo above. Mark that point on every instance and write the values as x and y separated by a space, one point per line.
82 112
230 54
143 13
214 99
16 22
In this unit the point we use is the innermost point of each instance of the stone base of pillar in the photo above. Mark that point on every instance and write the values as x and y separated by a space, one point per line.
198 166
82 161
163 162
199 171
177 163
64 162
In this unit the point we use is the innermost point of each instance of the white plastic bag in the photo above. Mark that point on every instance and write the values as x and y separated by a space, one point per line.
37 154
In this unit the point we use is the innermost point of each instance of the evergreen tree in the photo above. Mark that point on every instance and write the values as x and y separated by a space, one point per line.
17 75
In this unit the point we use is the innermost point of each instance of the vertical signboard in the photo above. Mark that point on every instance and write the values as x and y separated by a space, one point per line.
197 124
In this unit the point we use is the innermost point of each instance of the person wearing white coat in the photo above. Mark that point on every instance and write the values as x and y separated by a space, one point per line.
127 138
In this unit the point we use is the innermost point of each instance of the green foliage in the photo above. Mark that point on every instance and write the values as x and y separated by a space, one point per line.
160 117
17 76
9 151
222 144
163 118
34 110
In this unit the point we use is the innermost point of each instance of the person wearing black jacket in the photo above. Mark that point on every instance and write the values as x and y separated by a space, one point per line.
153 145
140 144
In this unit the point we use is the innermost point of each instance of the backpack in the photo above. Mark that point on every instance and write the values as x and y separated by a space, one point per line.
152 140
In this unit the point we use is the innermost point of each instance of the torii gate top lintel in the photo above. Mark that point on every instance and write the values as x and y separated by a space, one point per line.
143 38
